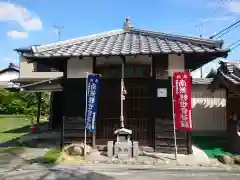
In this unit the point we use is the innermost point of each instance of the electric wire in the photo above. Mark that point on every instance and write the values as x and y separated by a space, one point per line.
220 5
234 47
226 30
234 43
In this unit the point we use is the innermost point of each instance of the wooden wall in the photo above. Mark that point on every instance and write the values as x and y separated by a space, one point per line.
164 134
208 110
74 91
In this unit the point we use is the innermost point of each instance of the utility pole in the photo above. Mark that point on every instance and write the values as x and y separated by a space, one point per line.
58 29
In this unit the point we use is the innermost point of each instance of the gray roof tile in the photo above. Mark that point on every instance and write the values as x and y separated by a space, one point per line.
202 81
230 71
128 42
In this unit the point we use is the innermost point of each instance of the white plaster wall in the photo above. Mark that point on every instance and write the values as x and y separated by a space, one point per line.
208 109
175 63
7 76
77 68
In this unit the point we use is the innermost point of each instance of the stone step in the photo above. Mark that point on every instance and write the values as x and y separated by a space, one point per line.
73 134
162 149
163 136
170 143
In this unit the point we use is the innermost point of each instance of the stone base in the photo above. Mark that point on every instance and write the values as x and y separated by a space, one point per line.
135 149
110 149
123 150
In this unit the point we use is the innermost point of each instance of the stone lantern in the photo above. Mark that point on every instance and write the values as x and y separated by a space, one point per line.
123 148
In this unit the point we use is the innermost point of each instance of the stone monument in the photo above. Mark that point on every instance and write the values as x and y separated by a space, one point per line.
123 148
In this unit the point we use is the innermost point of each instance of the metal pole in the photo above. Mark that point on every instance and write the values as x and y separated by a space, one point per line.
174 129
189 134
62 132
122 97
201 72
85 130
58 28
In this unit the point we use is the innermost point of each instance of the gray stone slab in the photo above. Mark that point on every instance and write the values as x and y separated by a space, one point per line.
135 149
110 149
123 150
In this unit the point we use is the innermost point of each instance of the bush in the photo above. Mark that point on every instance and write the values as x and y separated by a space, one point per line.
22 103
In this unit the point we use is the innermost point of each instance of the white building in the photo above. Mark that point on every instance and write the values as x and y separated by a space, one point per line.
8 74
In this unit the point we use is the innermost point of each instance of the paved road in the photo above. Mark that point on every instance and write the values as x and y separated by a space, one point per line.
87 173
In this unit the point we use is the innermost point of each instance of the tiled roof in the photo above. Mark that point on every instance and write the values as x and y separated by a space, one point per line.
202 81
11 67
128 42
230 71
212 73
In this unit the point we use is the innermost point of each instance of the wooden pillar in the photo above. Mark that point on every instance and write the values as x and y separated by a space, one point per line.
64 105
39 98
94 133
154 98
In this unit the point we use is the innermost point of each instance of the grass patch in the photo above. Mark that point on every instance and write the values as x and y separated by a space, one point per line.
213 146
14 126
11 116
52 155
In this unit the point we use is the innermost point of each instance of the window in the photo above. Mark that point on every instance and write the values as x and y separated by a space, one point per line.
42 68
161 73
162 67
130 71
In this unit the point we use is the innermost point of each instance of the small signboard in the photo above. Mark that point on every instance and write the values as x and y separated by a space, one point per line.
161 92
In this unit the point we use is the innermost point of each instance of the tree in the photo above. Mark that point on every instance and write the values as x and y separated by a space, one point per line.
22 103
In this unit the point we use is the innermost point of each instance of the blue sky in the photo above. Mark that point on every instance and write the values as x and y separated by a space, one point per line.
27 22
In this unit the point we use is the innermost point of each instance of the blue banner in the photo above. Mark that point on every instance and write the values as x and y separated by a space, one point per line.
92 90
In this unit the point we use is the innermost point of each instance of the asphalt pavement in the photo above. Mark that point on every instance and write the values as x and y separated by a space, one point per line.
90 173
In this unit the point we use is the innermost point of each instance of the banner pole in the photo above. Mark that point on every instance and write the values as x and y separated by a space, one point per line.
174 127
85 130
189 134
122 96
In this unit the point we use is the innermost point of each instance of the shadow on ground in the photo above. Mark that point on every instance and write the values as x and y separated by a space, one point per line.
43 128
19 130
15 154
57 174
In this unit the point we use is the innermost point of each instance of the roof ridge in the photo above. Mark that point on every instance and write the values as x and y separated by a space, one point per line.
64 43
216 43
173 35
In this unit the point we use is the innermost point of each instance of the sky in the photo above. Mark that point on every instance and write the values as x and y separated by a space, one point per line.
30 22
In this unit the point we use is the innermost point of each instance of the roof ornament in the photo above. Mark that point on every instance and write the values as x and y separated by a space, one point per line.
127 23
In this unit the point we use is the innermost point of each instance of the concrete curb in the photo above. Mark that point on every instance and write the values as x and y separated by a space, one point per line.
135 168
163 168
